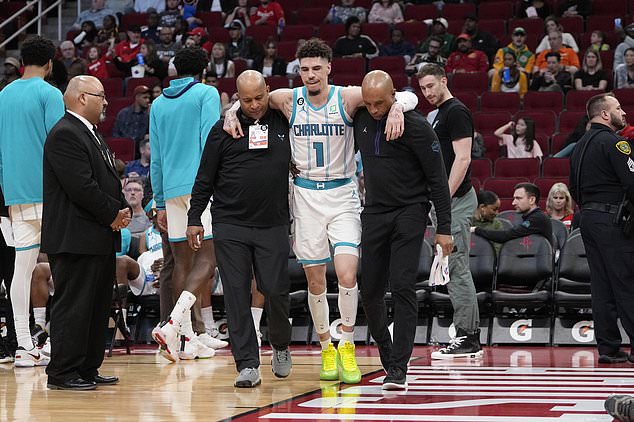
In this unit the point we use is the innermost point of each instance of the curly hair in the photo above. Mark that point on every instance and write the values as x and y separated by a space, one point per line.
190 61
315 47
37 51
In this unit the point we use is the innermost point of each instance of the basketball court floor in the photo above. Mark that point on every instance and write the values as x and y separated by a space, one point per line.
510 384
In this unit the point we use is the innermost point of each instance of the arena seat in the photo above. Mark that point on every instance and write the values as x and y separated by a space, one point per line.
517 167
353 66
545 183
379 32
469 98
130 19
458 10
210 19
560 233
420 12
533 26
218 34
495 10
105 127
556 167
276 82
491 143
261 33
545 122
603 23
473 81
500 101
475 183
348 79
576 100
311 16
132 83
539 101
413 31
482 168
495 27
558 142
512 216
503 186
296 32
487 122
568 121
122 148
330 32
227 85
287 50
573 25
113 87
394 65
115 105
573 281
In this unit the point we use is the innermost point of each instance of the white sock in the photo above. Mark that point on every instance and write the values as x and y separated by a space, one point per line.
186 325
348 304
183 304
324 343
39 314
318 305
346 336
208 318
256 313
21 294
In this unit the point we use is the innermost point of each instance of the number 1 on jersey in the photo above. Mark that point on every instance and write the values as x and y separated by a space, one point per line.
319 151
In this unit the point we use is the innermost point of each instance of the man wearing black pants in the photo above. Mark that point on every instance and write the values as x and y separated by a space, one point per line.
248 178
401 176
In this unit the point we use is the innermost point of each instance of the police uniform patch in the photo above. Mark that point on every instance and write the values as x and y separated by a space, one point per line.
624 147
526 223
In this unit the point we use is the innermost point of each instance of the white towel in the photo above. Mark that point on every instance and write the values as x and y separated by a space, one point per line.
439 275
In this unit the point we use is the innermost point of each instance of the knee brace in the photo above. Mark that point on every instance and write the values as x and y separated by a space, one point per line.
348 304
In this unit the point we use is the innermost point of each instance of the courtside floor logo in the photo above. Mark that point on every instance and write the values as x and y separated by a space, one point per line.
583 331
521 330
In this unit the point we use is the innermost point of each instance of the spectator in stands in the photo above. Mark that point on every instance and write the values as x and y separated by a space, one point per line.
292 68
269 13
125 53
220 63
525 57
199 36
153 65
480 40
398 46
141 166
171 14
134 120
624 73
439 28
559 204
143 6
354 44
241 13
628 42
486 215
575 8
521 142
591 77
86 37
554 78
432 55
568 59
525 201
96 13
271 64
465 59
181 28
121 7
11 71
157 90
212 79
582 127
340 14
552 25
510 78
385 11
596 42
97 64
534 9
74 64
108 35
241 46
133 192
151 31
167 47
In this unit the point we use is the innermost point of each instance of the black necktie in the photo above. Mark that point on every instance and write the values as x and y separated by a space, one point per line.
105 151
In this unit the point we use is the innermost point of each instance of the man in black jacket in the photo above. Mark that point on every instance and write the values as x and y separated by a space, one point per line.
525 201
248 178
401 177
84 209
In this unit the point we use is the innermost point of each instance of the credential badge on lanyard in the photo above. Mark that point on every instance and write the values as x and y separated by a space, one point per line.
258 136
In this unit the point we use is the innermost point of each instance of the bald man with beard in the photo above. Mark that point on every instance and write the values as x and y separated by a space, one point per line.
84 211
248 178
401 177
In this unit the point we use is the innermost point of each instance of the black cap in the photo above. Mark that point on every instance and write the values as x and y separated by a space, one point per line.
471 16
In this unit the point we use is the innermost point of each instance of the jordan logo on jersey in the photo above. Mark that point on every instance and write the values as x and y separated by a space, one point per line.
324 129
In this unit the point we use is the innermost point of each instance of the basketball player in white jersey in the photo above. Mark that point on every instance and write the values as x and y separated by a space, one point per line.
325 203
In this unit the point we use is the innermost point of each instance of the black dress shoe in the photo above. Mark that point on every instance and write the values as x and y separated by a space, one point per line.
77 384
618 357
105 380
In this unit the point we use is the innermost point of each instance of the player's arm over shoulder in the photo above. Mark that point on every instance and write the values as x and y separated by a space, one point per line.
282 99
352 99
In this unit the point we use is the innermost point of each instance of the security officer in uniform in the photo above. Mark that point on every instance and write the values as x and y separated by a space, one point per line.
601 182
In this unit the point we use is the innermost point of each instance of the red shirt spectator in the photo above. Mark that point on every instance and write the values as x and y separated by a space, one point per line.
466 59
268 13
198 34
97 65
127 50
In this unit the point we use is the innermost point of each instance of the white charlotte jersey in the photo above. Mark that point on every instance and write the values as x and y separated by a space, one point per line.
322 139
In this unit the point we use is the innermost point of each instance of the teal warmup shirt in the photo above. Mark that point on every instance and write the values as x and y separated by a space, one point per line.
126 239
29 108
180 121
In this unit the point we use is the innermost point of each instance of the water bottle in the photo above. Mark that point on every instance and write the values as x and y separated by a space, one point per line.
617 23
333 14
280 27
507 75
139 59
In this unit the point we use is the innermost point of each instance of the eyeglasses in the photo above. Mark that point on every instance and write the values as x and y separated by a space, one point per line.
102 96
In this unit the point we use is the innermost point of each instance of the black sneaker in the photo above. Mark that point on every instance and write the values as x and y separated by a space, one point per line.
620 407
618 357
39 335
396 379
5 356
462 346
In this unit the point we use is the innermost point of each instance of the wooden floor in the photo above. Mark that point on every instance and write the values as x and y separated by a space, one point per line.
510 384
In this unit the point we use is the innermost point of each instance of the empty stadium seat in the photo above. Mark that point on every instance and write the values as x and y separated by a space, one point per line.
105 127
413 31
573 25
458 10
568 120
227 85
329 32
500 101
573 282
295 32
276 82
495 10
487 122
379 32
603 23
122 148
113 87
475 183
355 65
545 183
491 143
469 98
558 142
131 19
394 65
481 168
116 104
576 100
517 167
348 79
503 186
539 101
420 12
474 81
132 83
218 34
556 167
210 19
560 234
496 27
261 33
311 16
287 50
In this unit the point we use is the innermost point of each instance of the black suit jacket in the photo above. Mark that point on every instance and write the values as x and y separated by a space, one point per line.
82 193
